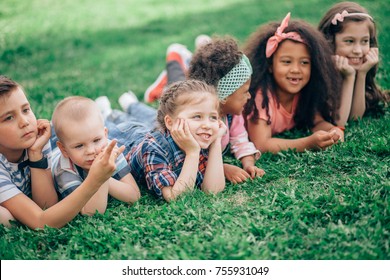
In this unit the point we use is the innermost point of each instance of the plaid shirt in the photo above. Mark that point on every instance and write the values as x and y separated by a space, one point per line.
157 161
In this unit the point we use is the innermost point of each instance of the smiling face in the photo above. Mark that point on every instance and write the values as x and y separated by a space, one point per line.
201 114
291 68
18 125
354 42
83 140
234 103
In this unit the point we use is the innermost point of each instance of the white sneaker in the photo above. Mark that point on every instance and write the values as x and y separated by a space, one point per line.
126 99
104 105
201 40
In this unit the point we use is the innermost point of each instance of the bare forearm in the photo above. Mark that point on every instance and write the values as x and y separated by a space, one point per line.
322 125
98 201
247 161
346 99
42 187
275 145
64 211
125 190
359 97
186 180
29 213
261 136
214 178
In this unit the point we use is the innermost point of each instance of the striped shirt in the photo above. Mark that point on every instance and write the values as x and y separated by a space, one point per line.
68 176
15 180
157 161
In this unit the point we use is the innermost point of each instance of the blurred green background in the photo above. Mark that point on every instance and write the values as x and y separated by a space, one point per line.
96 47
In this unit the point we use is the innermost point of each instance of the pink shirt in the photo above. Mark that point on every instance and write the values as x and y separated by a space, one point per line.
281 119
237 135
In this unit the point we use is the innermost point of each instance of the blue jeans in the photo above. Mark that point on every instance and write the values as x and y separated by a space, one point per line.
128 128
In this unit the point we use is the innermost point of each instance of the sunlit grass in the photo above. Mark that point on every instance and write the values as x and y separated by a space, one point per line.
313 205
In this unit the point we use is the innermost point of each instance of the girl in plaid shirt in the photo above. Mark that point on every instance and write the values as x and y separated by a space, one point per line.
185 151
219 62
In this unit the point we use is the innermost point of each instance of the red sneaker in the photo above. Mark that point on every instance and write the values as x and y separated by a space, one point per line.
175 52
179 53
154 91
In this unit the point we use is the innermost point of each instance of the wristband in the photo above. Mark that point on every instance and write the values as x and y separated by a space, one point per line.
341 128
40 164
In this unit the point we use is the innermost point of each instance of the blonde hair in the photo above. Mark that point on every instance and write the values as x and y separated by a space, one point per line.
183 93
73 108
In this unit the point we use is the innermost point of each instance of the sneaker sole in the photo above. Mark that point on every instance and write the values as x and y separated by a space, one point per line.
154 91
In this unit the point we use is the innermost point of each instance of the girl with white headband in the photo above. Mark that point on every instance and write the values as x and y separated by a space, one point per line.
292 87
220 63
351 33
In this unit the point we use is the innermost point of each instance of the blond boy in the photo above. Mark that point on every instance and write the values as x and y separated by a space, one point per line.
82 136
27 193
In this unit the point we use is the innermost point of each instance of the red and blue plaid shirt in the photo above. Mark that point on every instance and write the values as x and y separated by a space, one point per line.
157 161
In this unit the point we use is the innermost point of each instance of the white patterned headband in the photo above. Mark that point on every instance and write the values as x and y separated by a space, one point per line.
236 77
339 17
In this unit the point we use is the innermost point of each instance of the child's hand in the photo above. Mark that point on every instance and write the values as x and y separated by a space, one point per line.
371 59
117 150
128 157
222 129
322 139
221 132
181 134
339 134
254 171
104 164
235 174
341 63
43 136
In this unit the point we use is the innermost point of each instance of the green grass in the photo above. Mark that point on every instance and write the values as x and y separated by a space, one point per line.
314 205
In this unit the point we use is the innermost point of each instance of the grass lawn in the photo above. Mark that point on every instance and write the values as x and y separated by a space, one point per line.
313 205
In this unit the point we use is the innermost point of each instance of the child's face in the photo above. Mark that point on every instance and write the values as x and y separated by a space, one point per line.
235 103
83 141
202 118
18 125
354 42
291 67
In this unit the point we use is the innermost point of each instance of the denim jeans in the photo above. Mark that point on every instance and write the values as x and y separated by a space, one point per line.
128 128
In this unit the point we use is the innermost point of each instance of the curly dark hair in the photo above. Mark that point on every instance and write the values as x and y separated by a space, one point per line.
373 93
211 62
321 94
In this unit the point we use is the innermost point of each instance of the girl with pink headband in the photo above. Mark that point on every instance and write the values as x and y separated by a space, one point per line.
292 87
351 33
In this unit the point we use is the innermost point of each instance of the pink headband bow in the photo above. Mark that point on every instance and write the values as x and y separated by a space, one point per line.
273 42
340 16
